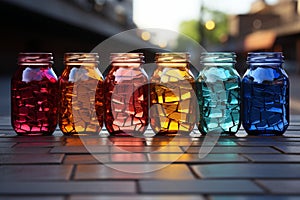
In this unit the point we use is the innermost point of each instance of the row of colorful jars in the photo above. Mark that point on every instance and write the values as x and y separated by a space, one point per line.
176 98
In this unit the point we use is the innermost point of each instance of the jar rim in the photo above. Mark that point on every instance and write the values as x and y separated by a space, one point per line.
124 53
81 57
175 53
218 57
35 57
75 53
265 57
127 57
219 53
35 53
265 53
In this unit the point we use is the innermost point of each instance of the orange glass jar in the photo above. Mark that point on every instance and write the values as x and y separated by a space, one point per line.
126 95
172 95
81 95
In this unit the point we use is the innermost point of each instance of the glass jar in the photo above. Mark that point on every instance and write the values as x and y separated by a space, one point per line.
81 95
126 95
34 89
218 92
265 93
172 95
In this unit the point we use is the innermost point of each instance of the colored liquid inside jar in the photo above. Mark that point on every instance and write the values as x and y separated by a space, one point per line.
34 90
126 95
81 95
172 95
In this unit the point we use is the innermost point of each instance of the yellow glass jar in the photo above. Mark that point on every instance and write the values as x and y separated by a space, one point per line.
172 96
81 95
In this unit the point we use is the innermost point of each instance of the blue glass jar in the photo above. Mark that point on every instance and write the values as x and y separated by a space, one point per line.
218 93
265 93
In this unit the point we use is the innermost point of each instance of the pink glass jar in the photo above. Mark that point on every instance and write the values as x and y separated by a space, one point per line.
34 95
126 95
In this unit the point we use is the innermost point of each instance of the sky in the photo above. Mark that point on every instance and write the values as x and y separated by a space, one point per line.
168 14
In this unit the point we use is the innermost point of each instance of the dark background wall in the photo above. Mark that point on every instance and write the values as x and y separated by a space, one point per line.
24 31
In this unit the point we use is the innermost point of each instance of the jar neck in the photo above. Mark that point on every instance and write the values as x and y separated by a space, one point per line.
265 59
218 59
173 59
131 60
35 59
82 59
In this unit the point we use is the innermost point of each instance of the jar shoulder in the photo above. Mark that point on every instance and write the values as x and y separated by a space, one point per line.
120 74
172 73
265 74
217 73
75 73
28 74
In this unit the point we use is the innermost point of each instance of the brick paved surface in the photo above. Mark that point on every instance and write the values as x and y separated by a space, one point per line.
91 168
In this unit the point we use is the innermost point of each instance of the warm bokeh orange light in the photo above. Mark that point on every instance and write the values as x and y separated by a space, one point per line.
210 25
145 36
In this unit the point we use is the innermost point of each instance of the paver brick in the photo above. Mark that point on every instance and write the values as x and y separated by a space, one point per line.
35 172
200 186
286 186
31 158
133 171
247 170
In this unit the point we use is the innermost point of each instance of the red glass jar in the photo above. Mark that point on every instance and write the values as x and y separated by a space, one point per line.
126 95
34 92
81 95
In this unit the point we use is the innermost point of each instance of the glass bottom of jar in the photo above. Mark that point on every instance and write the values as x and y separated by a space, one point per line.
126 134
264 133
173 133
34 134
79 134
220 133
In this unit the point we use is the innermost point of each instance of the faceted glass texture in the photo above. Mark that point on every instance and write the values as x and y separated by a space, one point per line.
126 95
34 89
81 104
218 92
265 93
172 95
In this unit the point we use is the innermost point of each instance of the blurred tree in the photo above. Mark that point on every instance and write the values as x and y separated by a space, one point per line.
219 33
191 29
212 29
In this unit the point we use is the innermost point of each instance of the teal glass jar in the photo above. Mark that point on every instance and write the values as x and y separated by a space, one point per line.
218 92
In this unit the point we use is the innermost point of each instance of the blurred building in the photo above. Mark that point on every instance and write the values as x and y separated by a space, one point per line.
58 26
268 28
